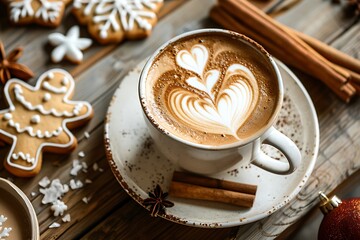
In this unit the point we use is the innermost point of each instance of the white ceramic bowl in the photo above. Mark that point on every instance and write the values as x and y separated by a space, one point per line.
22 203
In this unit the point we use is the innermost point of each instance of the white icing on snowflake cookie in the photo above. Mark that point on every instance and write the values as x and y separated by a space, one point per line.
68 46
42 12
111 21
33 126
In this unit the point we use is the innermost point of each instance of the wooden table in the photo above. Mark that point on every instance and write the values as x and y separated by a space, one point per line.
111 213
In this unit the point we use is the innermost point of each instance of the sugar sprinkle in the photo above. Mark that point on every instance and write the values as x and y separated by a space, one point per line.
75 184
81 154
66 218
76 167
54 192
54 225
44 182
87 135
86 200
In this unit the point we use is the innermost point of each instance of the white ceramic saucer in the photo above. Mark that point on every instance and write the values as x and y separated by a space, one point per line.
138 166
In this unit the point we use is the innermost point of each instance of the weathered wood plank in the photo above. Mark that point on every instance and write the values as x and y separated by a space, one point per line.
110 211
125 222
321 19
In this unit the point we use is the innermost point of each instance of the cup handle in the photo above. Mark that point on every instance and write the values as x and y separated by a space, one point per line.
278 140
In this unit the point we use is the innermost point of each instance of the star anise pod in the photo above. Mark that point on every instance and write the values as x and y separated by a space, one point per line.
9 68
157 202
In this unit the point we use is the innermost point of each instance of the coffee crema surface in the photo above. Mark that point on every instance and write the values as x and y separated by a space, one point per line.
211 89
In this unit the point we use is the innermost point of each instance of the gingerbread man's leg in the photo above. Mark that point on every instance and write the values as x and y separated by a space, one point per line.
25 156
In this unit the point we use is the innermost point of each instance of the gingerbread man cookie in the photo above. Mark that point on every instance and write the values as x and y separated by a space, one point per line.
38 120
111 21
42 12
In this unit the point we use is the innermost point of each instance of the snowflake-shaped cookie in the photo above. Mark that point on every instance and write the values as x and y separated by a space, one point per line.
68 46
43 12
38 120
112 21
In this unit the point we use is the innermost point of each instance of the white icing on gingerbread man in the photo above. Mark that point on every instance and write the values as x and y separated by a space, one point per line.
32 125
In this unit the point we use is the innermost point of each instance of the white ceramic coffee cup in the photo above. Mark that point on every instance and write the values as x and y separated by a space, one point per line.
205 159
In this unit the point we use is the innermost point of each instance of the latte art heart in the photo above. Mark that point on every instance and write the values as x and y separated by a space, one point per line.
223 114
220 113
195 60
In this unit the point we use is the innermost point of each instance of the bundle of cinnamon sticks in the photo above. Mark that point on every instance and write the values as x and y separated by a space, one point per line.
190 186
340 72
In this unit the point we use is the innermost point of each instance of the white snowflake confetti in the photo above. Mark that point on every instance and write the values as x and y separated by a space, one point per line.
75 184
66 218
54 225
59 207
118 16
86 200
87 135
54 192
81 154
76 167
44 182
69 45
84 166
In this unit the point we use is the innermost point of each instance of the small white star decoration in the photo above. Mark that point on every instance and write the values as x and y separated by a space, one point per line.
68 46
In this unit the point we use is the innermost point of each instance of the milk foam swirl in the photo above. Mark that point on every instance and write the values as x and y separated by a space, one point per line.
220 111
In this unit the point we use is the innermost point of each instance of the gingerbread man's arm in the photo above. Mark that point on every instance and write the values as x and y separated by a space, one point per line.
85 114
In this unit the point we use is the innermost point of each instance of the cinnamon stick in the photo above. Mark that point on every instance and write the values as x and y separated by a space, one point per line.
342 63
189 191
297 52
266 26
330 53
344 90
214 183
348 74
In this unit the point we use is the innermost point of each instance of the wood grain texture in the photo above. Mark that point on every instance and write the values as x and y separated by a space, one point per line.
111 213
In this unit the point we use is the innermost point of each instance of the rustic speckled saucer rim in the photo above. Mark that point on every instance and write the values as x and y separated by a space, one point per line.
19 195
287 199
